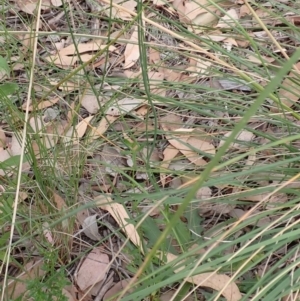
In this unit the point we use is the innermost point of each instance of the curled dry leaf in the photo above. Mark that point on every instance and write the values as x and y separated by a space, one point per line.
215 281
132 51
121 216
90 228
93 269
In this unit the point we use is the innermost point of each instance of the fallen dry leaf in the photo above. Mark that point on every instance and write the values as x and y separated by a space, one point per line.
41 105
215 281
156 79
189 10
29 6
204 19
15 147
199 67
181 143
33 270
104 124
2 138
124 106
289 91
57 3
93 46
116 289
132 51
229 20
243 136
90 101
169 153
112 160
113 12
82 126
93 269
90 228
121 216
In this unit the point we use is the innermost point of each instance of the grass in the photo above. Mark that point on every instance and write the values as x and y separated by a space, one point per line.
54 177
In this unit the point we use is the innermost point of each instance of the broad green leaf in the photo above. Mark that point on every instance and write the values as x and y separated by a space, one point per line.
8 89
3 65
12 161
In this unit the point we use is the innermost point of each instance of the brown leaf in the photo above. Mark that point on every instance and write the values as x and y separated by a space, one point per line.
171 122
58 200
124 106
82 126
42 105
243 136
90 101
121 216
289 91
4 155
93 46
90 228
116 289
32 271
170 152
2 138
93 269
29 6
154 56
205 19
215 281
104 124
156 79
229 20
185 144
113 12
57 3
132 51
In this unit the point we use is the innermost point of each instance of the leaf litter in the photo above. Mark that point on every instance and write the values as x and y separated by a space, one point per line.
159 144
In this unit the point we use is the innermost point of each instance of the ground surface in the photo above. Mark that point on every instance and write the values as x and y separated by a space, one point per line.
149 149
